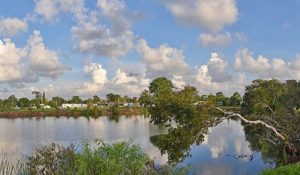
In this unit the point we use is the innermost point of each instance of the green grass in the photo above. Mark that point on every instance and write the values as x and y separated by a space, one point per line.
293 169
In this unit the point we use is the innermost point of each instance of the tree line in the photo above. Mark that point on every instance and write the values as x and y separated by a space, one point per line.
39 100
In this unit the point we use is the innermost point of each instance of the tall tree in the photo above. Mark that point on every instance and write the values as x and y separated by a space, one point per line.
38 98
96 99
235 99
76 100
12 101
56 101
270 111
113 98
24 102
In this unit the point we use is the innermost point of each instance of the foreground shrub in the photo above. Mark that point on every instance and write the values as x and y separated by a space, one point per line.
9 168
293 169
54 159
122 158
119 158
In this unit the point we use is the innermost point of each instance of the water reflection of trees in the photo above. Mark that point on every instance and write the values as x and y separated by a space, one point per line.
177 142
271 118
227 139
269 152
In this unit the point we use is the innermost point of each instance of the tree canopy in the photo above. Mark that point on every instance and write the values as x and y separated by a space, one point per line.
270 113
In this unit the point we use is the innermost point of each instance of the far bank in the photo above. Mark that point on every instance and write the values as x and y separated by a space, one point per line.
72 112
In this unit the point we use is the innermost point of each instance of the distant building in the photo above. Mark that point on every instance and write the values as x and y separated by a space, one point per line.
43 106
17 107
73 105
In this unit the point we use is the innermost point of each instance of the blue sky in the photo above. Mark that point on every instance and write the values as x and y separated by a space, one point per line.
88 47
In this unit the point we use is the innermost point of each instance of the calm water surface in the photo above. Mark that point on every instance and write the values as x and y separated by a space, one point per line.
216 155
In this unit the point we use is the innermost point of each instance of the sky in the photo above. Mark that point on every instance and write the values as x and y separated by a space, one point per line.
96 47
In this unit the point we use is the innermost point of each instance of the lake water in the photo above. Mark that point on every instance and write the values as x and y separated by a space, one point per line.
218 154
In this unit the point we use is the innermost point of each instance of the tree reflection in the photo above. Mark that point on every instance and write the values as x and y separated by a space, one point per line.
178 141
270 113
270 152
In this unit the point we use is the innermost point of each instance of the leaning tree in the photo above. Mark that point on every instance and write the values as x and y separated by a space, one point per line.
269 106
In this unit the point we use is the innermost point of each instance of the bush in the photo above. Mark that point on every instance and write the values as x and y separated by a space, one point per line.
54 159
114 110
122 158
119 158
293 169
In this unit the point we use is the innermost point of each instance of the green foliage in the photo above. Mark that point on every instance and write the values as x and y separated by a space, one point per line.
235 99
55 102
145 98
54 159
181 112
24 103
38 99
122 158
114 110
96 99
277 104
76 100
113 98
293 169
261 97
119 158
160 85
188 117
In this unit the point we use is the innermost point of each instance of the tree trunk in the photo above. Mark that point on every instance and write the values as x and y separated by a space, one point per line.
290 148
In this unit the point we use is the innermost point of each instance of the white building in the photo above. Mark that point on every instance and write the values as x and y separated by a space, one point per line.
43 106
73 105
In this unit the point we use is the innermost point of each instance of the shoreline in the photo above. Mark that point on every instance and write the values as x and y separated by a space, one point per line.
77 112
94 112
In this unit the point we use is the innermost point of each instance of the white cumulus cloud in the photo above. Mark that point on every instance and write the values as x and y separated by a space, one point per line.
26 64
98 76
123 78
43 61
11 59
219 40
12 26
94 37
218 69
264 67
97 73
164 60
212 15
49 9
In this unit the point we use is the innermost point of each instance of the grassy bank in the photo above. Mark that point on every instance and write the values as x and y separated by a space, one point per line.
75 112
293 169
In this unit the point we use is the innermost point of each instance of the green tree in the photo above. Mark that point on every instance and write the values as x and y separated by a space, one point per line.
270 114
76 100
145 99
44 99
160 85
38 99
12 101
56 101
235 99
261 97
96 99
113 98
24 102
90 103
